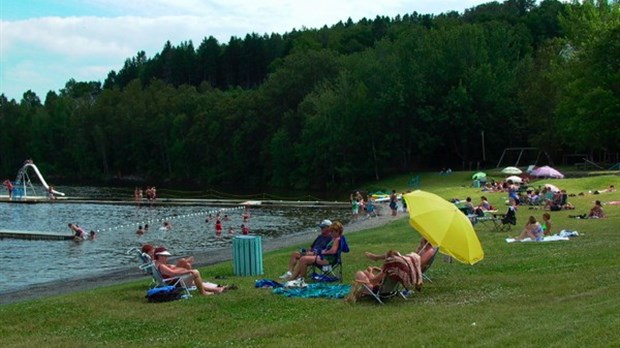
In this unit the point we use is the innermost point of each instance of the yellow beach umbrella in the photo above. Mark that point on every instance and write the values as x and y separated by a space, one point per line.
444 226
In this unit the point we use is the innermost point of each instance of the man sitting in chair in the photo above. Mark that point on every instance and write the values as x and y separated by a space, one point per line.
319 244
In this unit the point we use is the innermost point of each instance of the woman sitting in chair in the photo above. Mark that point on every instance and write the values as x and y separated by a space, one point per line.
185 262
189 276
325 257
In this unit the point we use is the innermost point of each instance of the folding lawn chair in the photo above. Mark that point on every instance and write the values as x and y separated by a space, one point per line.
399 274
428 266
390 287
158 280
333 271
508 220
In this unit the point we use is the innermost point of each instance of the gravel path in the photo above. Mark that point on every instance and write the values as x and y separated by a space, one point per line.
43 290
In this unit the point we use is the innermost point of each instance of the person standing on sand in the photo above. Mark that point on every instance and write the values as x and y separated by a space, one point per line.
393 203
9 187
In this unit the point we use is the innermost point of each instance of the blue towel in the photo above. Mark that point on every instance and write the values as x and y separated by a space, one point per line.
315 291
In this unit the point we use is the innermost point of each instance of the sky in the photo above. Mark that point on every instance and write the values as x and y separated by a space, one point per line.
45 43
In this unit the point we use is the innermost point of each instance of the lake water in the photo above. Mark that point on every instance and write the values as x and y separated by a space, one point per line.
26 262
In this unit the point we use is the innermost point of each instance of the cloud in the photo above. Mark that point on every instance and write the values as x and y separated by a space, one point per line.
48 51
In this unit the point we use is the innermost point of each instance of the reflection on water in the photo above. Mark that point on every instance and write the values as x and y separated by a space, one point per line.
28 262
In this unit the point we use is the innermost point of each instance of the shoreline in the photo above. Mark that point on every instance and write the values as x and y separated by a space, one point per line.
68 286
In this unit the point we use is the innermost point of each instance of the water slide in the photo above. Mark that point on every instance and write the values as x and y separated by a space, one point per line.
38 173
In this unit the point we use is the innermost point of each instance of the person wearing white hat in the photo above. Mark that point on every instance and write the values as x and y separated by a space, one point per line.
320 242
190 276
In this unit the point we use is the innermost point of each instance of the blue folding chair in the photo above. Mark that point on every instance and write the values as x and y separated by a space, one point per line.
333 271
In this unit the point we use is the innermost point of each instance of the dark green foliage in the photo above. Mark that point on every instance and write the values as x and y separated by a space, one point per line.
318 108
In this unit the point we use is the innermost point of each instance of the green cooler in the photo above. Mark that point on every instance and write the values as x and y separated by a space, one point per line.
248 255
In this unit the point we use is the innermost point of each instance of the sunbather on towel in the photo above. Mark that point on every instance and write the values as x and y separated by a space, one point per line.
597 211
532 229
191 277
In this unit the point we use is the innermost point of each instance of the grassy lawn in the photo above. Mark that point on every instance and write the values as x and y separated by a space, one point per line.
557 294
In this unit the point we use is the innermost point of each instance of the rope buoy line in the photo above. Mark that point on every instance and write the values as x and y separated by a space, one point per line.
217 194
167 218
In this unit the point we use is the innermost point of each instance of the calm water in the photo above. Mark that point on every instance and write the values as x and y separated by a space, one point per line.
27 262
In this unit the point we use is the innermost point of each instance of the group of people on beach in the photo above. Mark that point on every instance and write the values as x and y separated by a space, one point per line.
325 247
368 206
150 193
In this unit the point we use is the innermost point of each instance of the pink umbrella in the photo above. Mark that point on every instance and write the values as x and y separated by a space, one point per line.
547 172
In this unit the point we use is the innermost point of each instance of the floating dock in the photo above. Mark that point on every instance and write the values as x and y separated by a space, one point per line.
35 235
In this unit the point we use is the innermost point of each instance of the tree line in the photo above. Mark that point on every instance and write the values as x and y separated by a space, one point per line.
319 108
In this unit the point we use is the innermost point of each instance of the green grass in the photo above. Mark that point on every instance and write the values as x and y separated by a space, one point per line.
560 294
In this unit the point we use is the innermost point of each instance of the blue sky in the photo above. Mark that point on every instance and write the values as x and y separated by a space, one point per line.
44 43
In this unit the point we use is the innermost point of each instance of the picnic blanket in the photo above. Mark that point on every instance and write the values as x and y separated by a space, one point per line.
315 290
563 235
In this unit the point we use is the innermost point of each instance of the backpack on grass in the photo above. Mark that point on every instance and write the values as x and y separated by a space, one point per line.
164 294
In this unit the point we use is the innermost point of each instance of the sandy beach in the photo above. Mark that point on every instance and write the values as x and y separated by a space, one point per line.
65 286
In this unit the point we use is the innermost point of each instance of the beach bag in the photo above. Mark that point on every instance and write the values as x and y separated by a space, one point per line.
164 294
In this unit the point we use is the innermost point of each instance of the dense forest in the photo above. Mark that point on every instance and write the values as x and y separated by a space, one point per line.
317 108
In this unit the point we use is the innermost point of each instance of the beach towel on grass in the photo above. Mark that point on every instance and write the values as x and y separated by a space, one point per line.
553 238
315 291
563 235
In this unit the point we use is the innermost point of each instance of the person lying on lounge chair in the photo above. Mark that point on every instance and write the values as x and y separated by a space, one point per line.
190 277
404 268
424 249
